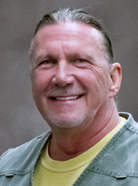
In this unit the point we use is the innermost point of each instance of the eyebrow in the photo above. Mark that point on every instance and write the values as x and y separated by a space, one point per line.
81 55
45 56
68 56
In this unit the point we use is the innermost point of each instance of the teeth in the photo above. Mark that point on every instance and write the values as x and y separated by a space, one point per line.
67 98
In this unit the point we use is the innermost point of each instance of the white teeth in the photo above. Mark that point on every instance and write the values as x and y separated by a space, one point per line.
67 98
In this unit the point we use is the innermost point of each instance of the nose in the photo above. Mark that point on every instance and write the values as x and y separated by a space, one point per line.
63 74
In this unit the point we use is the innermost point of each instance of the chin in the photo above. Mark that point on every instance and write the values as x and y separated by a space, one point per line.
65 122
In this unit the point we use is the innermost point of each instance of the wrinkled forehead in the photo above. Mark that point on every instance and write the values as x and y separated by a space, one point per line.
67 32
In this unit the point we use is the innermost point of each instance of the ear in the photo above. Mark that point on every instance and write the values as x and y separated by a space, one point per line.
115 79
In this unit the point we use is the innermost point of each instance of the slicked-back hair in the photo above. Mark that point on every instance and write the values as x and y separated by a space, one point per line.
76 15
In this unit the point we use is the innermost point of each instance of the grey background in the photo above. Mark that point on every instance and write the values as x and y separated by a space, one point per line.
19 119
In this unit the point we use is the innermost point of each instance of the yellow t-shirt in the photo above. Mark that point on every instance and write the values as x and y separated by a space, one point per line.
49 172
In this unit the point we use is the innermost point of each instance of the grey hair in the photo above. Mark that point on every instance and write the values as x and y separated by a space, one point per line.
74 15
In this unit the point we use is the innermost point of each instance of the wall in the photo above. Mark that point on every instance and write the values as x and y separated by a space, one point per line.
19 119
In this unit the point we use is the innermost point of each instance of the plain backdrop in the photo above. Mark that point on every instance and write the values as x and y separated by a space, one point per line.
19 119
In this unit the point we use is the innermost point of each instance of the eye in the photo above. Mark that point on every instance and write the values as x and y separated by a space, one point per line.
48 62
81 60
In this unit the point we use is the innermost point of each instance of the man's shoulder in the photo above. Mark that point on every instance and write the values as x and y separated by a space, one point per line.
131 124
23 157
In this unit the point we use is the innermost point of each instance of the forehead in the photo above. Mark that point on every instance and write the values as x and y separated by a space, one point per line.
69 30
68 33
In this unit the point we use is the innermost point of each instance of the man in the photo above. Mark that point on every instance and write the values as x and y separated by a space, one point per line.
74 82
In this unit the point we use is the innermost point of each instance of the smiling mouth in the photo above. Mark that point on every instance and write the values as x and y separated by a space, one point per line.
67 98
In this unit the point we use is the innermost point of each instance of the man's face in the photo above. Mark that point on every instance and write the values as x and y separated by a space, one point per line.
70 75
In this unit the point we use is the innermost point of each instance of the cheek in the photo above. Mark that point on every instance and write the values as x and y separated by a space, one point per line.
97 80
101 76
39 81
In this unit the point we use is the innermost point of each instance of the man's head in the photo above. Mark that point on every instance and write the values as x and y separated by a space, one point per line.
75 15
72 80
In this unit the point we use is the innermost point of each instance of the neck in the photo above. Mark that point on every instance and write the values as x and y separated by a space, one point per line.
69 143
